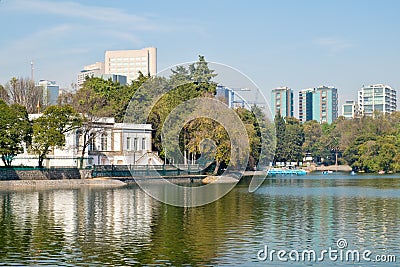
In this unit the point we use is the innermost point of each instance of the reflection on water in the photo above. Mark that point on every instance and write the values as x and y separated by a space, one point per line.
124 226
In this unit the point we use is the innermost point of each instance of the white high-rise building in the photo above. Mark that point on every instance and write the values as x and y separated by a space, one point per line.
93 70
130 62
376 97
122 65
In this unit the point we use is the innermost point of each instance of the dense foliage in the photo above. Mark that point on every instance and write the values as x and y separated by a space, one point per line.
369 144
15 130
49 130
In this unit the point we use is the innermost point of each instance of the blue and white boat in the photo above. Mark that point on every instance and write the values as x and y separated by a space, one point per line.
277 171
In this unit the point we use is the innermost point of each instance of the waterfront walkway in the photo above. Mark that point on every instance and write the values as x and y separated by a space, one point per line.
145 171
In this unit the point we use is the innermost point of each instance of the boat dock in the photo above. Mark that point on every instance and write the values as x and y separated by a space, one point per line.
274 172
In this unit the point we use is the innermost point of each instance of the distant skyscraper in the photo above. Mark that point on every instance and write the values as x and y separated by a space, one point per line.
226 95
93 70
122 65
97 70
282 101
305 105
349 109
320 104
130 62
50 92
376 97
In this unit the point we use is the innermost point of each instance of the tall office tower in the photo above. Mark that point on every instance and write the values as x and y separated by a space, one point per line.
282 101
376 97
349 109
130 62
320 104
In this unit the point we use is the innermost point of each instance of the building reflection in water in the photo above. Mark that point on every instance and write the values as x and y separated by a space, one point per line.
125 226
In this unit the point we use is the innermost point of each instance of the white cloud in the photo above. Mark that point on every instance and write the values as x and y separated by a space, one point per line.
132 38
69 32
334 45
61 36
87 23
34 42
83 12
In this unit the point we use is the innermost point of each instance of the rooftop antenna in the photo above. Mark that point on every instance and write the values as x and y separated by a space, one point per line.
32 71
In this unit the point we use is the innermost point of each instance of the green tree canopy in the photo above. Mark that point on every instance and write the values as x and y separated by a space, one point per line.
15 130
183 84
49 129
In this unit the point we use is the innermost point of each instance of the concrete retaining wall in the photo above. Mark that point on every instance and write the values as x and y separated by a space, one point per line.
58 184
45 174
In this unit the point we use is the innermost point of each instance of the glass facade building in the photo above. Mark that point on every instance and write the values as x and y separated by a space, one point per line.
50 92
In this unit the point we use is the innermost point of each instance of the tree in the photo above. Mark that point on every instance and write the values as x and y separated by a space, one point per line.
253 132
23 91
125 94
66 98
352 154
183 84
312 138
289 139
265 129
199 72
387 153
280 130
95 97
4 94
49 129
261 136
98 98
294 139
330 143
92 101
15 130
369 144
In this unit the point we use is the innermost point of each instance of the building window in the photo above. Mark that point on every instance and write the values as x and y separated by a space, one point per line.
143 143
128 143
92 144
103 142
78 138
135 144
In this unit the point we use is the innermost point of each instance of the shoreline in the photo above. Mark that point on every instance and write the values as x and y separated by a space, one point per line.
103 182
108 182
60 184
340 168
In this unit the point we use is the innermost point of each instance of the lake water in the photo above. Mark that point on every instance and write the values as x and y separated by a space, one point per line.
125 227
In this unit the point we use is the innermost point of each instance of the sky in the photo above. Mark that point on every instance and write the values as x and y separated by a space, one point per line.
300 44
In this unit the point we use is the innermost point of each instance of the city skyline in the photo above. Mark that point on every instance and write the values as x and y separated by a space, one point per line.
275 43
